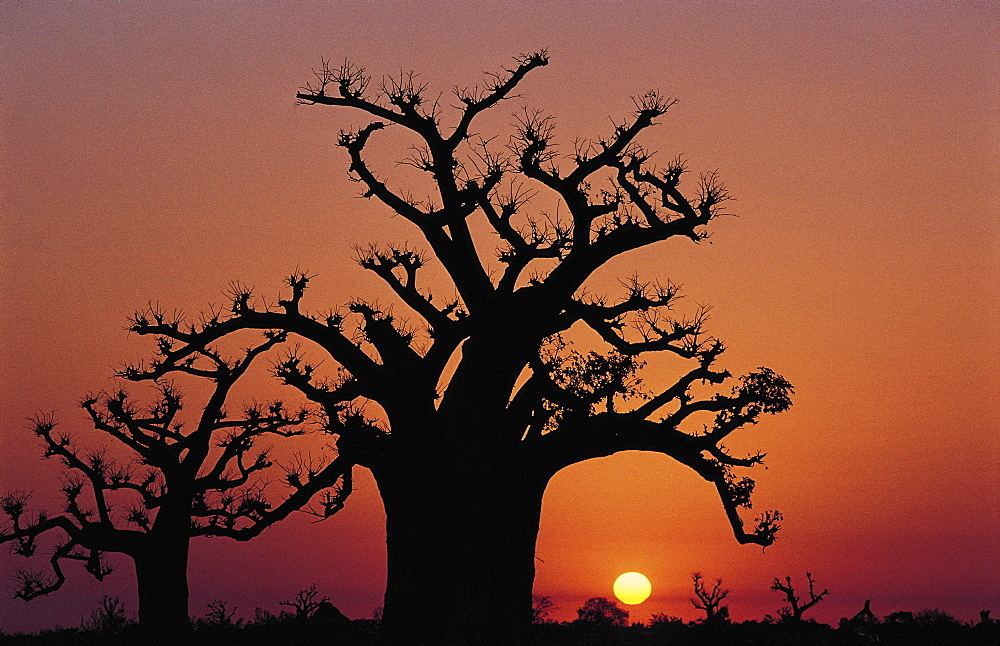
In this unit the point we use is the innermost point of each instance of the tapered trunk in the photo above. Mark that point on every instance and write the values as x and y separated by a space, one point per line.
161 573
461 554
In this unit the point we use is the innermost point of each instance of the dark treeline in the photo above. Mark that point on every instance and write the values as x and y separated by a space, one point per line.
313 620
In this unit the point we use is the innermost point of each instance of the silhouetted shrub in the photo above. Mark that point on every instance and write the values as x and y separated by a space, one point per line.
541 606
109 618
601 611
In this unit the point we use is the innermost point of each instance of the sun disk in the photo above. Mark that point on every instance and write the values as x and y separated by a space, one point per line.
632 588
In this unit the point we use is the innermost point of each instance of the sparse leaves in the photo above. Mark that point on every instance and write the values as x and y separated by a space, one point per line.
767 526
592 378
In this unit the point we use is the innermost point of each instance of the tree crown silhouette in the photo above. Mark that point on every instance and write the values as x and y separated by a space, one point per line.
167 477
483 400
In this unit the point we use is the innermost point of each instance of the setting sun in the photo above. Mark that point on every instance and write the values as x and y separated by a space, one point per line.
632 588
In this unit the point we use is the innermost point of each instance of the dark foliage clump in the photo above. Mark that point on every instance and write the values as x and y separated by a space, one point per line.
602 612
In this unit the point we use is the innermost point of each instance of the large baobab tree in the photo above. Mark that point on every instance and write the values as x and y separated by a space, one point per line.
483 401
167 477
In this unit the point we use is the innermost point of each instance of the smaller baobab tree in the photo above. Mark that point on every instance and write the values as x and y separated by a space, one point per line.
795 608
184 476
710 600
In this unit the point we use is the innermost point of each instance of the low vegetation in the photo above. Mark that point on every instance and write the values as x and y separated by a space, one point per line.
601 622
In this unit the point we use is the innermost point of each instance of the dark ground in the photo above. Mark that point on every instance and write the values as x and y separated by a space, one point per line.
902 629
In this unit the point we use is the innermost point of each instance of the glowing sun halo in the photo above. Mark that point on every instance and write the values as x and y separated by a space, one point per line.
632 588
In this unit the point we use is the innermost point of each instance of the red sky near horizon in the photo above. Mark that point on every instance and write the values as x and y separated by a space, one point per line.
152 152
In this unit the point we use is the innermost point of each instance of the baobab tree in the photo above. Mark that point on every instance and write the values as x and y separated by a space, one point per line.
167 478
709 600
488 396
795 609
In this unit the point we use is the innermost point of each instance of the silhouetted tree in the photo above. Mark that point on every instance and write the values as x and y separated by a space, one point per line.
306 602
603 612
220 614
928 627
541 606
109 618
710 601
484 400
794 611
865 615
667 629
986 630
863 624
183 477
662 618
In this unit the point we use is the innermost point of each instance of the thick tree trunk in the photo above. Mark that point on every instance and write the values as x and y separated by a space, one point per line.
461 555
161 573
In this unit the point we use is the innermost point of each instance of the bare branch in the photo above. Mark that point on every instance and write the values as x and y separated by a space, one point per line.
196 338
385 264
794 611
710 600
337 470
498 89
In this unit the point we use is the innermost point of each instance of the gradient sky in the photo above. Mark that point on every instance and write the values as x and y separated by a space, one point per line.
153 151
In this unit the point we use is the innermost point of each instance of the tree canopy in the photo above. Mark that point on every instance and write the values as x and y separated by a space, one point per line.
464 416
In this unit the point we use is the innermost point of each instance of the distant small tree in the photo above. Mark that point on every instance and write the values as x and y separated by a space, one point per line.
602 611
184 477
662 618
795 610
306 602
220 614
987 630
109 618
899 617
264 617
864 624
710 601
667 628
864 616
936 618
926 627
541 605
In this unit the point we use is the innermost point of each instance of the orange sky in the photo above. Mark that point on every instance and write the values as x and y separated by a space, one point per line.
152 151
